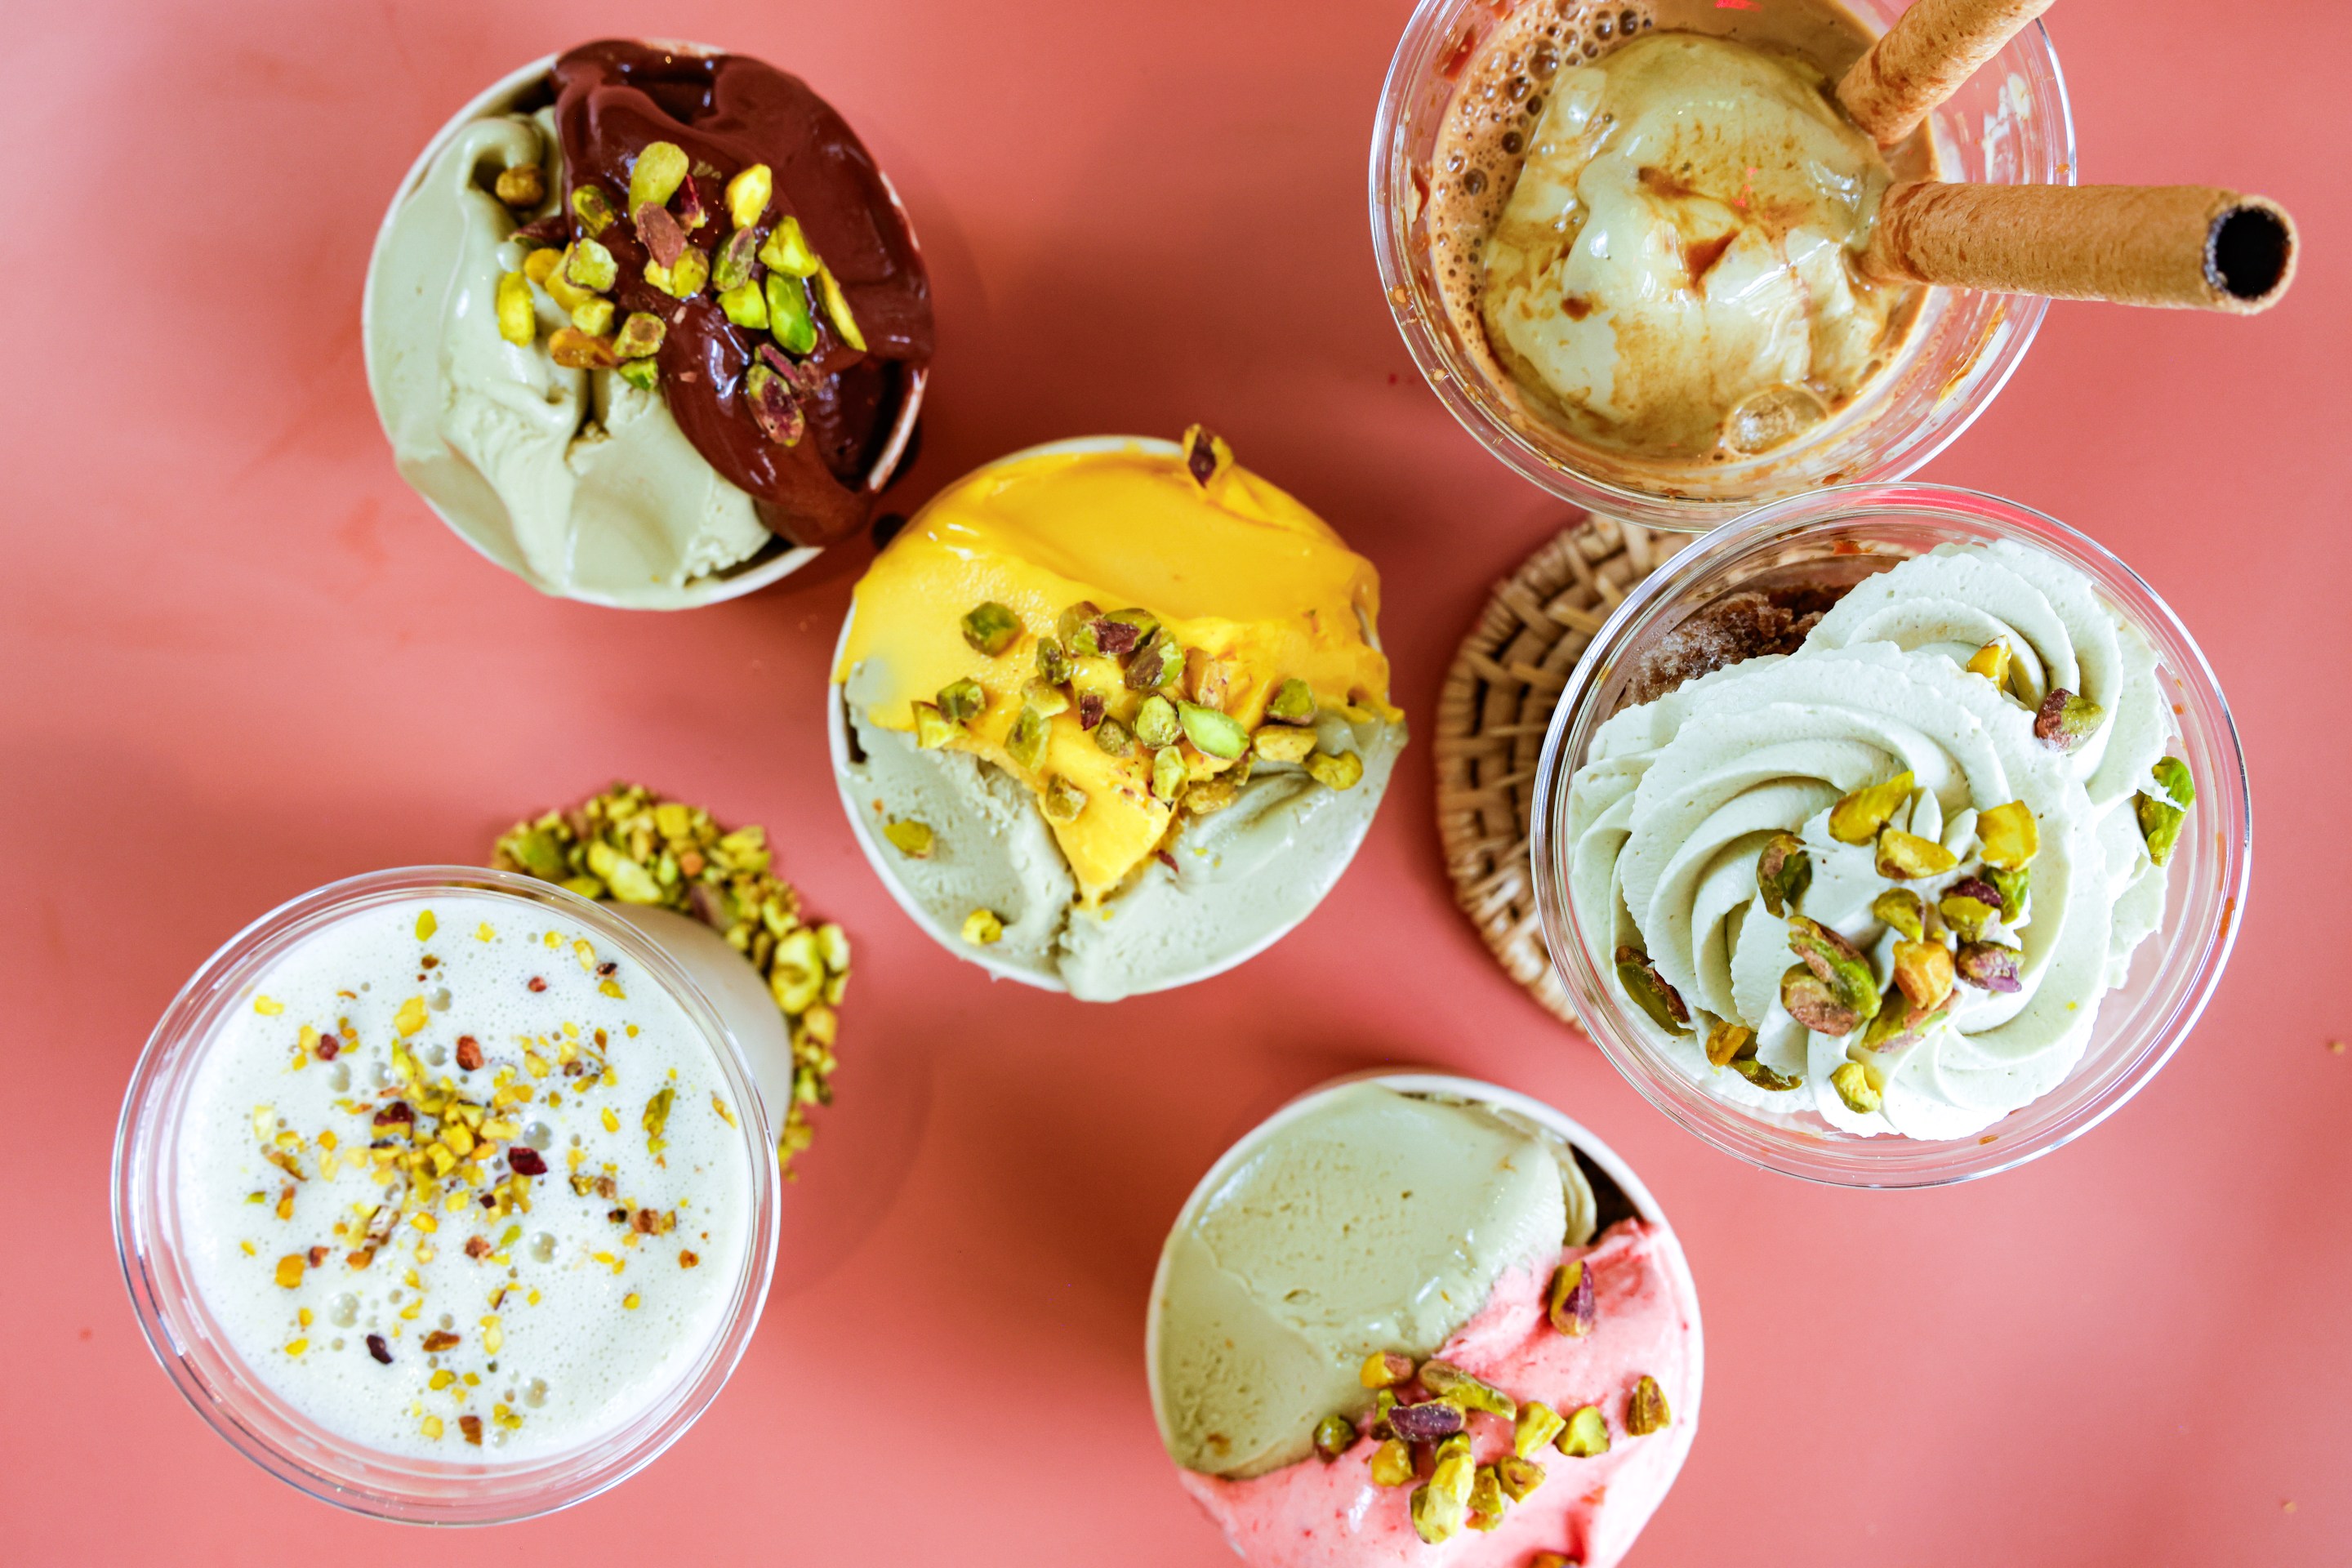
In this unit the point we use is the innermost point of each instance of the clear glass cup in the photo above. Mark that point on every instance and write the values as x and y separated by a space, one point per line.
1847 532
2009 124
224 1389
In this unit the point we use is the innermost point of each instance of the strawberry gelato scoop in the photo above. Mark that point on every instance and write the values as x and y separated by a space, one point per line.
1527 1410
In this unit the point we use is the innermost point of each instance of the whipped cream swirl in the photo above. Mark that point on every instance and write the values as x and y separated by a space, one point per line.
1679 798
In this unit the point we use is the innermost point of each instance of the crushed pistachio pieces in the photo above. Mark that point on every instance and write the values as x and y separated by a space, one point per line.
668 855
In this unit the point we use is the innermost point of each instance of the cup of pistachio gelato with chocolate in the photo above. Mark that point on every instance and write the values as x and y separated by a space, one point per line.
1111 715
1413 1318
647 326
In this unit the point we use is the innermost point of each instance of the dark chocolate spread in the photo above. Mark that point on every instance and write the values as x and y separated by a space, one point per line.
729 112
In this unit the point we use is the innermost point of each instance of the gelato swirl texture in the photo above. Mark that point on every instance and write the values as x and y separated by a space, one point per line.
1680 799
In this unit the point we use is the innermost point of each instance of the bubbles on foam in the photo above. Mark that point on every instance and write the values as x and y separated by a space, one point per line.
1493 116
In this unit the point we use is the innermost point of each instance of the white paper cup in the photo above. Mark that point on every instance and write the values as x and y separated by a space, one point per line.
485 528
1450 1085
884 858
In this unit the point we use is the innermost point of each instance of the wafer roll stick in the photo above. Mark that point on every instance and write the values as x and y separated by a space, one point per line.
2192 247
1923 59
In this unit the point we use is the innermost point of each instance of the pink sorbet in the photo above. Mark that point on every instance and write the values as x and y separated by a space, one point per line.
1318 1514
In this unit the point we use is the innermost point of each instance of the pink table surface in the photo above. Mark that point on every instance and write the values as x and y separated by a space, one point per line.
238 658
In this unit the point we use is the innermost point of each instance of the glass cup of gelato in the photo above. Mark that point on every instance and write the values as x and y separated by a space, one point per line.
1111 716
448 1197
1413 1311
1618 238
1891 835
650 381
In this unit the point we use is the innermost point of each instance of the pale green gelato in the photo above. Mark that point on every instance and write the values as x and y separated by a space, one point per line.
1376 1221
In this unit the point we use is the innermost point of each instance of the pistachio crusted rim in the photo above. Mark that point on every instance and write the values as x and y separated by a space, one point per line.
632 847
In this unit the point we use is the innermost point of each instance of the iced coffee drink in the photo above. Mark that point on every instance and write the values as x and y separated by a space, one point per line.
1647 221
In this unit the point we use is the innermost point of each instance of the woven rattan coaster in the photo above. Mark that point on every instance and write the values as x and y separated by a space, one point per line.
1491 717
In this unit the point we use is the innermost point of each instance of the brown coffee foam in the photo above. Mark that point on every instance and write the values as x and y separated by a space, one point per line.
1500 96
1932 48
1481 148
2133 245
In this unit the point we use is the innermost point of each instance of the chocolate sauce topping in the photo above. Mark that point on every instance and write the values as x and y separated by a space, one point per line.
727 112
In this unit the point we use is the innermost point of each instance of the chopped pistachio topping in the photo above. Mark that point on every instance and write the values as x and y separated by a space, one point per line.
991 627
1282 743
1113 739
1650 992
517 316
836 306
655 176
981 927
1393 1464
1586 1434
1645 1409
1992 661
1783 871
1901 907
2161 814
910 838
933 728
748 193
746 305
1063 802
596 214
1334 1435
1168 774
591 266
523 187
1335 770
789 321
640 336
1538 1425
1905 855
1857 819
1727 1041
684 279
1156 723
960 702
1852 1081
1293 703
595 317
2006 836
1219 734
631 845
787 250
1025 742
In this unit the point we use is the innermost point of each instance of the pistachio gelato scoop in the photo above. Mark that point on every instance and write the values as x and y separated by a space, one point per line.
1373 1221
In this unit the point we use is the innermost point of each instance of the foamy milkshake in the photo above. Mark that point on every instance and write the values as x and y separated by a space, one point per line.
454 1175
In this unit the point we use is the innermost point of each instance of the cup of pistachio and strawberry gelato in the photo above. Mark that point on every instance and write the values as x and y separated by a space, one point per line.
1415 1318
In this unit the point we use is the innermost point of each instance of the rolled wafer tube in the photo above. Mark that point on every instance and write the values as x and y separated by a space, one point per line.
1923 59
2192 247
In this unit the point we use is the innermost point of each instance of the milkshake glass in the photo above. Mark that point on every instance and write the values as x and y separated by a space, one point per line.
629 1373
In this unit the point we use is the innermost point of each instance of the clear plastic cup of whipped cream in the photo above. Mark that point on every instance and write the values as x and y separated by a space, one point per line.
474 512
1603 1168
942 929
313 1401
2009 124
1843 535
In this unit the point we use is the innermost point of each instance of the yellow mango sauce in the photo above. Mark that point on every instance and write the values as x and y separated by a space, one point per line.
1236 568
